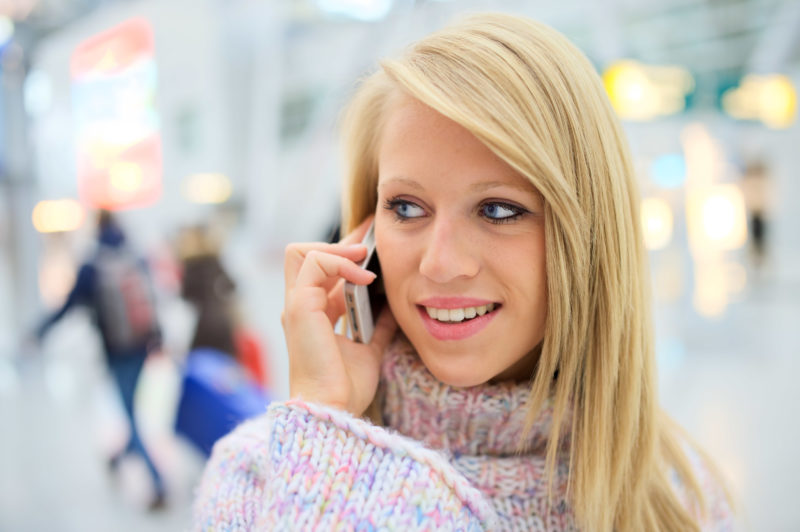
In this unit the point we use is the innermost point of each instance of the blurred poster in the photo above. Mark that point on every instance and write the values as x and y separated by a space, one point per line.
117 127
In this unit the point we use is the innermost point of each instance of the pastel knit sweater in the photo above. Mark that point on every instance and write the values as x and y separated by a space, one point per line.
446 460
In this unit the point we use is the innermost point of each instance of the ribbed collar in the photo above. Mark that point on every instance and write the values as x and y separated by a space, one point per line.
481 420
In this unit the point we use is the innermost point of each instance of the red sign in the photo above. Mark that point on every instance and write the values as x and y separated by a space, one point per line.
114 83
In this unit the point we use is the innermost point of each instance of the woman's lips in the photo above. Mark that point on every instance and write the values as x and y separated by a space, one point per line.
453 302
455 330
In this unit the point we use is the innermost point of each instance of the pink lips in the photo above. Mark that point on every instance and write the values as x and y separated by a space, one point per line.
453 302
459 330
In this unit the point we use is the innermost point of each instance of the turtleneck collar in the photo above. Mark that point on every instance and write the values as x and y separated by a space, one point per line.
481 420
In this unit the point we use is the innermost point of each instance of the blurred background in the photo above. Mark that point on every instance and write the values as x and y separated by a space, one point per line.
208 127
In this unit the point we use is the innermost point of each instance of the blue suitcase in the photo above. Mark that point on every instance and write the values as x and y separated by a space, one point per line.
217 395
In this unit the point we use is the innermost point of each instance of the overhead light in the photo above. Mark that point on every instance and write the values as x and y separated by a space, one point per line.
366 10
644 92
57 216
772 99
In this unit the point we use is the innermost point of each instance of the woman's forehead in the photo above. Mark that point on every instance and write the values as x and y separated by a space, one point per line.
419 143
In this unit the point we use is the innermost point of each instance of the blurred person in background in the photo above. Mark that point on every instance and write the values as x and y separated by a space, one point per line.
207 286
115 285
510 382
756 188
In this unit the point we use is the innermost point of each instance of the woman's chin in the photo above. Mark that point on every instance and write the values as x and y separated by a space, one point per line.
455 374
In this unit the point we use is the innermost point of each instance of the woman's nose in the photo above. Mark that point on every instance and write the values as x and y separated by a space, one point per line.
451 253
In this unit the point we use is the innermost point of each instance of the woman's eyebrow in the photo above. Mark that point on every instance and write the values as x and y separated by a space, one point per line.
402 180
477 187
486 185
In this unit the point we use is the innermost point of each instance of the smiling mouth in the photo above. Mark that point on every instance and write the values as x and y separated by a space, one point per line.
459 315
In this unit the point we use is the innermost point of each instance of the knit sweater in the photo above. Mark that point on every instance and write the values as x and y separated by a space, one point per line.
446 460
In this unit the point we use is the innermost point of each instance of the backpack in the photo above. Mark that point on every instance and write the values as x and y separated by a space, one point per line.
125 303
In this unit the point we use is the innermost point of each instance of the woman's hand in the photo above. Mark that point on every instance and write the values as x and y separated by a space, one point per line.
325 367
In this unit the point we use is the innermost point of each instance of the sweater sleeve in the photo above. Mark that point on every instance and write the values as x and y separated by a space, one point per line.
308 467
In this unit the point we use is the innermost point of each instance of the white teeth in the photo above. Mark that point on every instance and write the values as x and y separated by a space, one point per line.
456 315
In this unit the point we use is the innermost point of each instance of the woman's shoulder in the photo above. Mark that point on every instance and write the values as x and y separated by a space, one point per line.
310 463
247 439
233 478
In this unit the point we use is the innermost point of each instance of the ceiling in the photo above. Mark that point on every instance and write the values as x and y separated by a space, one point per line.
722 38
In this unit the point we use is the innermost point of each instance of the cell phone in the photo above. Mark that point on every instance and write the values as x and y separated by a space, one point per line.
363 303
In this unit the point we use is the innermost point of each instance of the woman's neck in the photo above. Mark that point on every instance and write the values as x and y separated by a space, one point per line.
481 420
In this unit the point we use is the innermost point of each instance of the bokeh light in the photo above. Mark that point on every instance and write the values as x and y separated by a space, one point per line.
657 223
771 99
669 170
56 216
724 217
207 188
644 92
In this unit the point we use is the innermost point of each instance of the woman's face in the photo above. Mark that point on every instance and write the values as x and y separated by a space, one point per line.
460 237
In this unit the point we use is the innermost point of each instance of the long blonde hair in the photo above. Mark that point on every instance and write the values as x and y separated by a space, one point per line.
536 101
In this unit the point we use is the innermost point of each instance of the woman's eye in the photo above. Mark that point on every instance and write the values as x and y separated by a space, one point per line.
500 212
404 209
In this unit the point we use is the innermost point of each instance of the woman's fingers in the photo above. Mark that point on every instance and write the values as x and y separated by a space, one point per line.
296 255
336 306
323 366
324 270
349 247
318 272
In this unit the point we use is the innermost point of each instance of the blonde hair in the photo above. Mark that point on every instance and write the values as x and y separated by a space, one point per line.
536 101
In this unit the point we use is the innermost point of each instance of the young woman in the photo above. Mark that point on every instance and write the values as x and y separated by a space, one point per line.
510 381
